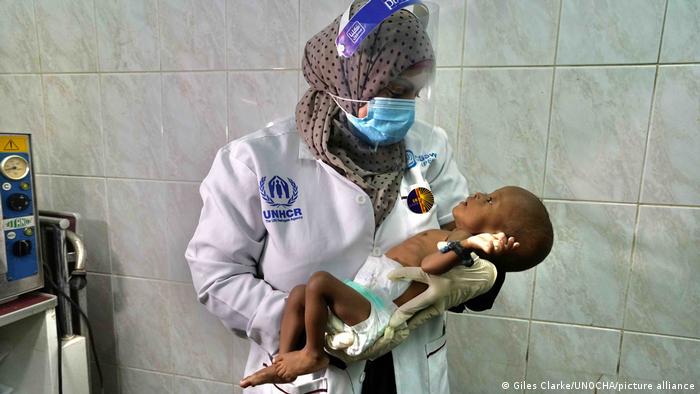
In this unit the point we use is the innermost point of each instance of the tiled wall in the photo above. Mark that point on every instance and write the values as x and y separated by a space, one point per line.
594 105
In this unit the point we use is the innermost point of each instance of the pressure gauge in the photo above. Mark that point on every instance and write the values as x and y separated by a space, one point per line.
14 167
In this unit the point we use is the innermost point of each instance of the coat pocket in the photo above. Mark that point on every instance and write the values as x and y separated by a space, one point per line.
436 353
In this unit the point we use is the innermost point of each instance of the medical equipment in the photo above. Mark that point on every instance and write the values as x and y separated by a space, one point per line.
65 269
20 254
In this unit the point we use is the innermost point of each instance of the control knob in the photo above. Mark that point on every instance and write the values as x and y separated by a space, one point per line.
22 247
18 201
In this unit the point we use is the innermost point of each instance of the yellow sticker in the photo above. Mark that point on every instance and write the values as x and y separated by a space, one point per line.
14 143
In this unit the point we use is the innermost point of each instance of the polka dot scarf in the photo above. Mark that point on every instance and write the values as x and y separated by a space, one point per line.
394 46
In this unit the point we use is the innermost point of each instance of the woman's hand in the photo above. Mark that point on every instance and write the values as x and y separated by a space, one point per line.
491 244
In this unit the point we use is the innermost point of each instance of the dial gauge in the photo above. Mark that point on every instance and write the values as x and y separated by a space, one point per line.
14 167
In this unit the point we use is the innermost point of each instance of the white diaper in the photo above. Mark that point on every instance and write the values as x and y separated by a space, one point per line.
372 282
373 275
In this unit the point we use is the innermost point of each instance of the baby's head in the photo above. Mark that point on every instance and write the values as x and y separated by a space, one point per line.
516 212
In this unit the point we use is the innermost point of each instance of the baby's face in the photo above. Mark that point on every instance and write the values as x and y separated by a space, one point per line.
487 213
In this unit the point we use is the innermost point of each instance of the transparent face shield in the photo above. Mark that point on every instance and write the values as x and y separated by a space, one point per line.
408 101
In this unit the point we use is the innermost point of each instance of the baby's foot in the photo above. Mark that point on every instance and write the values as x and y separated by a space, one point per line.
290 365
262 376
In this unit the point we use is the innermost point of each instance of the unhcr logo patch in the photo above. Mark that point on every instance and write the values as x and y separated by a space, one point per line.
280 194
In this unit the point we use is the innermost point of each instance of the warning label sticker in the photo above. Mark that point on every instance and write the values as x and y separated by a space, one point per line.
14 143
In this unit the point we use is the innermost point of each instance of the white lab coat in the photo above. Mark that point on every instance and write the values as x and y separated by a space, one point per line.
273 215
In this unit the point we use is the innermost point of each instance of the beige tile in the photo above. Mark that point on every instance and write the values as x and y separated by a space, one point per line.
585 277
483 352
503 129
610 31
137 232
193 34
66 35
672 173
510 32
664 296
19 48
600 117
251 104
681 32
131 121
73 124
194 123
127 31
252 44
141 324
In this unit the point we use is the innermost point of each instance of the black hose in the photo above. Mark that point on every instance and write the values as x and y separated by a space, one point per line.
89 327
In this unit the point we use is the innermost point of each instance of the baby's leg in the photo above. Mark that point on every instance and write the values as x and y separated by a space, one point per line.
292 327
323 291
291 335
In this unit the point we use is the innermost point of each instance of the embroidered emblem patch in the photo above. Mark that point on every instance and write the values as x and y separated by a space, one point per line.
420 200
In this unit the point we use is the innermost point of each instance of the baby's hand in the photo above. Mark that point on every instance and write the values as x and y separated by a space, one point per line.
491 244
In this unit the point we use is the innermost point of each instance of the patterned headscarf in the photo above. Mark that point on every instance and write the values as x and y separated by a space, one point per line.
394 46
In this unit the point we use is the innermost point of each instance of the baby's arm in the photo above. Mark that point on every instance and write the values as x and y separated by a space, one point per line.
437 263
492 245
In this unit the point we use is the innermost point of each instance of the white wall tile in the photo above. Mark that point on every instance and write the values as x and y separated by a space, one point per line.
515 297
315 16
510 32
194 122
137 232
66 35
101 313
598 131
142 325
19 47
241 347
42 190
88 197
593 254
258 97
654 359
73 124
136 381
672 173
445 99
681 32
131 121
450 40
664 296
127 31
193 34
183 385
253 44
610 31
303 85
503 130
22 111
570 353
183 207
110 376
483 352
200 344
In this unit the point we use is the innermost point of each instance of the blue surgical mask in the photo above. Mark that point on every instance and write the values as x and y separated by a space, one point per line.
387 122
